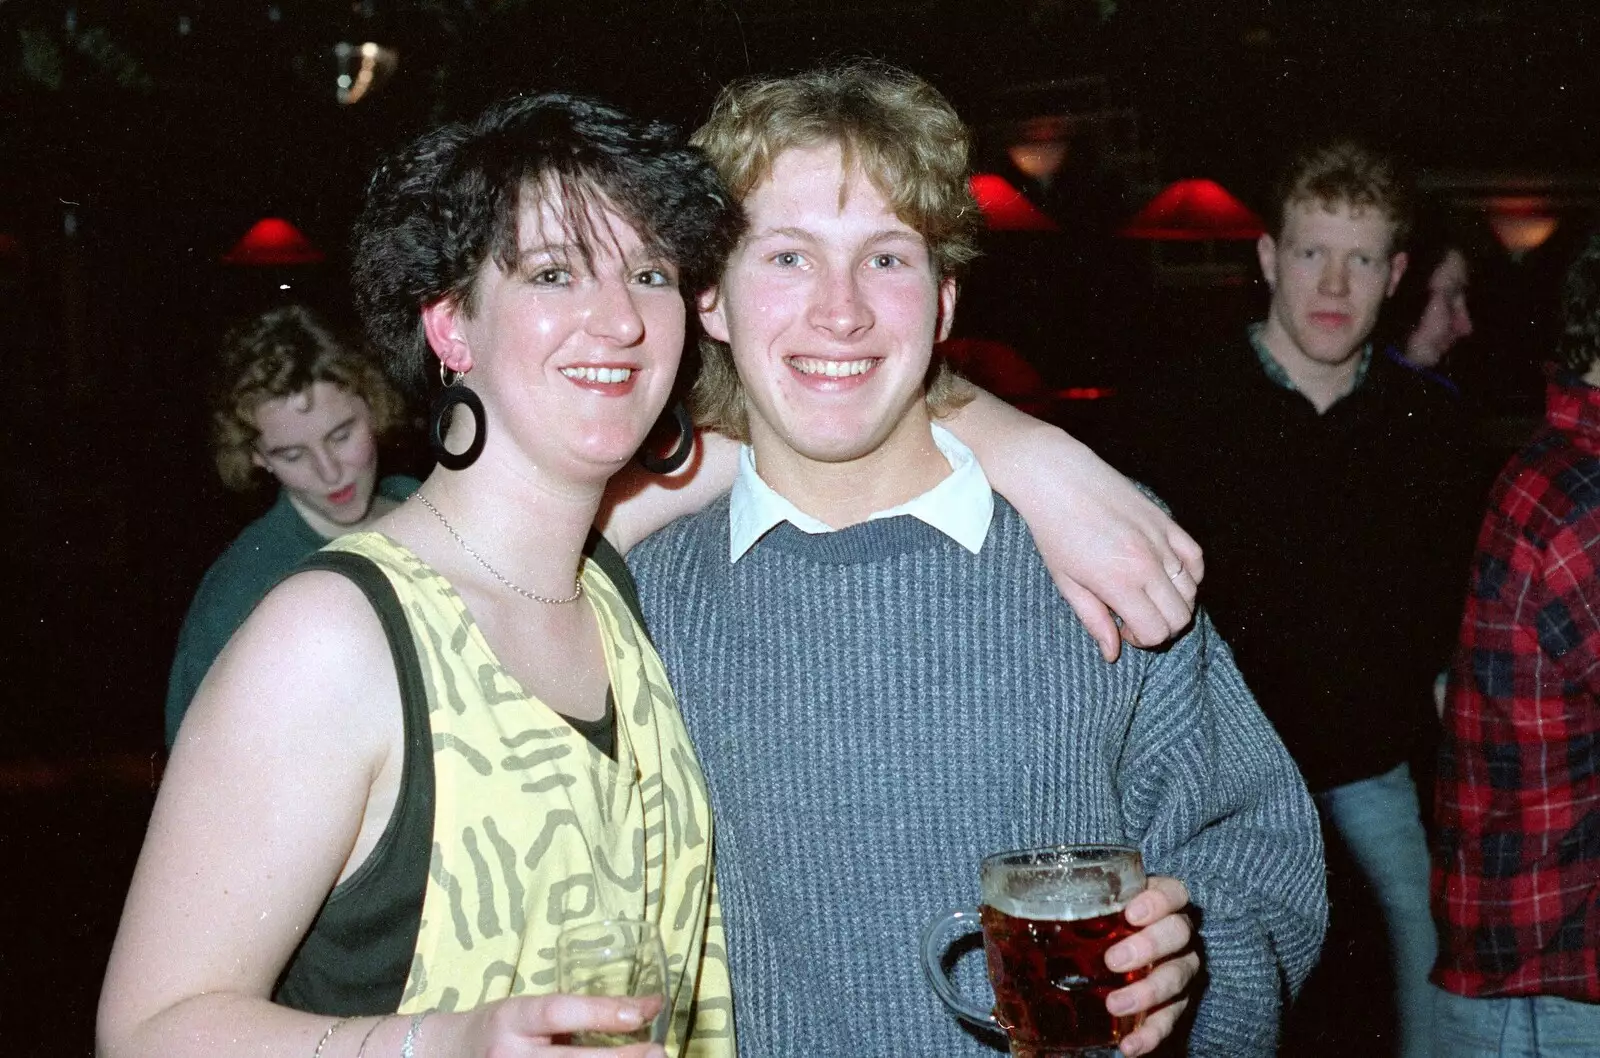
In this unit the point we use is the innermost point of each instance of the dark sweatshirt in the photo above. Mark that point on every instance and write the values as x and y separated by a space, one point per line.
1336 544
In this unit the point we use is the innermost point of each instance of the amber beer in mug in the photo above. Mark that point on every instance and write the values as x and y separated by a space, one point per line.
1050 977
1048 917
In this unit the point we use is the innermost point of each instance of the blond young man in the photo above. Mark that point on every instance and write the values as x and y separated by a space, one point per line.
881 679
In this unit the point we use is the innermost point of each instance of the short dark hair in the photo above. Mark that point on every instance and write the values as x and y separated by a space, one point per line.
1578 346
441 206
1435 234
1346 172
279 353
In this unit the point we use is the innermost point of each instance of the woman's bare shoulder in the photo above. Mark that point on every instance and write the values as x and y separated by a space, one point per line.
310 663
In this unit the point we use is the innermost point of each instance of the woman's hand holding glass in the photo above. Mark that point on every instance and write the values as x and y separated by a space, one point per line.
615 957
611 981
540 1027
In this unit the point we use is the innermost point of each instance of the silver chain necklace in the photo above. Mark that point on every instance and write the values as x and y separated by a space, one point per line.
577 585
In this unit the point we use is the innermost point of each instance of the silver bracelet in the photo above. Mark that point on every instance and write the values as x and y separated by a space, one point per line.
326 1036
411 1034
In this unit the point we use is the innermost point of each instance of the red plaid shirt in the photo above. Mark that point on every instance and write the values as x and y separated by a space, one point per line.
1516 877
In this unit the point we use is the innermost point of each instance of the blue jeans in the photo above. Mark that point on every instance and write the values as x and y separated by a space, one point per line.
1381 824
1515 1027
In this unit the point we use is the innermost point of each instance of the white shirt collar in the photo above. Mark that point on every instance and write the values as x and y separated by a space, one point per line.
961 505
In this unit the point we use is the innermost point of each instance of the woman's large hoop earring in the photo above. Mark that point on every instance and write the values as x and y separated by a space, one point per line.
679 455
452 394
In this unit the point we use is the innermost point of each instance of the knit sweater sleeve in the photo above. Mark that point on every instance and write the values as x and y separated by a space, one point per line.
1222 807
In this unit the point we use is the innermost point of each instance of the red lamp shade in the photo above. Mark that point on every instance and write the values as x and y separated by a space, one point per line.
1005 208
1192 210
273 241
1522 222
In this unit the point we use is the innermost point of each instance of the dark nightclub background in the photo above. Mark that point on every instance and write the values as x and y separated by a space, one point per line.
139 141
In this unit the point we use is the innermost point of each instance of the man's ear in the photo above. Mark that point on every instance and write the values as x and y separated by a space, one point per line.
442 324
1397 268
713 317
1267 254
947 308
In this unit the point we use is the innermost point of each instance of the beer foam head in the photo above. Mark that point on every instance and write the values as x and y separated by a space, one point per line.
1059 885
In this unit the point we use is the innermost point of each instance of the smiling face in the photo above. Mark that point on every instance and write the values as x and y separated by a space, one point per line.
318 443
831 305
1329 269
573 353
1445 320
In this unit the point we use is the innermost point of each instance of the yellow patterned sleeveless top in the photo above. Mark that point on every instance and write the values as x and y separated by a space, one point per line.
535 829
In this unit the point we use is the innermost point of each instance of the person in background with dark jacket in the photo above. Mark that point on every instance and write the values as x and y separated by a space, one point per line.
1326 484
298 404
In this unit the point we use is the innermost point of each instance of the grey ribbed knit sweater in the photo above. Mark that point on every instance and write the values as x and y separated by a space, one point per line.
876 709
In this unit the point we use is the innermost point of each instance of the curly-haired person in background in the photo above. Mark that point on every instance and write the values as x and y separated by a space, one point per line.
297 403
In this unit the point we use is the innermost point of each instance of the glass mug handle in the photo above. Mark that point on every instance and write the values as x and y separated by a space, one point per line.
936 938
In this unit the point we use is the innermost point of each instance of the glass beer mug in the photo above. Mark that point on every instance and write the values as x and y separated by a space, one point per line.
1048 917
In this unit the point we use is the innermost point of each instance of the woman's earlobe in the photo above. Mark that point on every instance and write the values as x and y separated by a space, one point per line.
441 325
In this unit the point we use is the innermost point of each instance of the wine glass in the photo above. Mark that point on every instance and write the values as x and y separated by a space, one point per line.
614 957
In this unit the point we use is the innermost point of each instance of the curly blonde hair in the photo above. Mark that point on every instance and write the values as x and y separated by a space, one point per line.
277 354
890 125
1347 172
